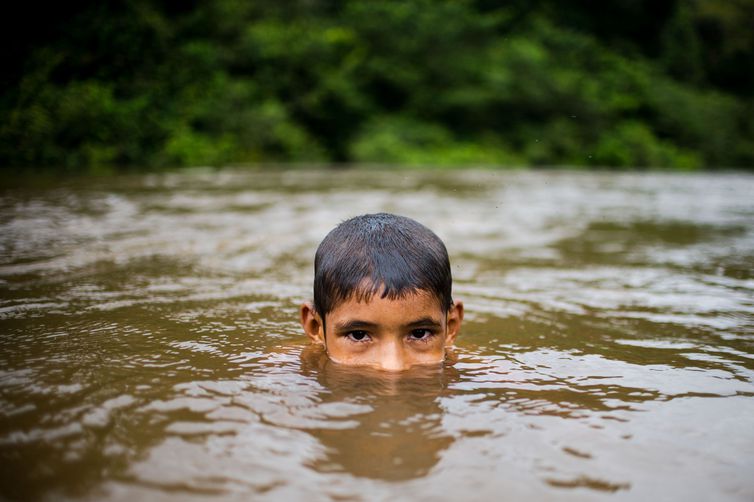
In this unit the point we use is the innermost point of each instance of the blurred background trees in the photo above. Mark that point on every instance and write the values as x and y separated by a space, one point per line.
621 84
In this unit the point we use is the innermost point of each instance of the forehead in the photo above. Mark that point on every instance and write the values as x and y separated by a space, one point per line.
377 309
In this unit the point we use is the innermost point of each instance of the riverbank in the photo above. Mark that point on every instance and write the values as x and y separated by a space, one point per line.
527 83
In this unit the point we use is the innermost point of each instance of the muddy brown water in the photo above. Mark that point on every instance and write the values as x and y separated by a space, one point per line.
149 347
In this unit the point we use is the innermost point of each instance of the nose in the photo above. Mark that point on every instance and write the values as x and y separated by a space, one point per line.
393 357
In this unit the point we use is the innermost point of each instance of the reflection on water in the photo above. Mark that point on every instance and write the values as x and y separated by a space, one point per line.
398 434
149 347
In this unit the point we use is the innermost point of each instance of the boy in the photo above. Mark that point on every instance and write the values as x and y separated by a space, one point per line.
382 294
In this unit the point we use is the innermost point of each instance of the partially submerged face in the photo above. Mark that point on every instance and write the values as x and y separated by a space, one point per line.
384 333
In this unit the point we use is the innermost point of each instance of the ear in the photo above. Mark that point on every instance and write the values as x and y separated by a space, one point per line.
312 324
455 318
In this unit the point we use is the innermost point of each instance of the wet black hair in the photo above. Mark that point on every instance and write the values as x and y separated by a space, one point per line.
380 252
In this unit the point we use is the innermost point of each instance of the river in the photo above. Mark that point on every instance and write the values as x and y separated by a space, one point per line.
150 348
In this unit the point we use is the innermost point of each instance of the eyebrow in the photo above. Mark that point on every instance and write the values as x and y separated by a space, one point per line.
424 321
353 325
359 324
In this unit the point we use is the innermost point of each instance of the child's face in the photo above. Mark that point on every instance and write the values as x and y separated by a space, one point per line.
386 334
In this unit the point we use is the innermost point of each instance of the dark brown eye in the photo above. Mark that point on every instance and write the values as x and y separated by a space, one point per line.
421 334
358 336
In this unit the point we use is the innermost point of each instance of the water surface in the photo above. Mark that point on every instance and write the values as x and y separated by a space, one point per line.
149 347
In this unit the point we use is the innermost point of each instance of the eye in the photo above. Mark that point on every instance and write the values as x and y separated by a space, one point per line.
421 335
358 336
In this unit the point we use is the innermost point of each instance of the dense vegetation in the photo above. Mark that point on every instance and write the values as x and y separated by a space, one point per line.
626 83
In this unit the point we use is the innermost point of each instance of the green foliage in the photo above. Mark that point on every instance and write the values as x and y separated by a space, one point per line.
681 50
631 144
399 140
416 82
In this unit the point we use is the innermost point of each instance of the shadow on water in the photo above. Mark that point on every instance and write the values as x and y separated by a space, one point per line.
658 242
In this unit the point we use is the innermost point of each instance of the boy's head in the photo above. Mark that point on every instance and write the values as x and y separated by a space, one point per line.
382 294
